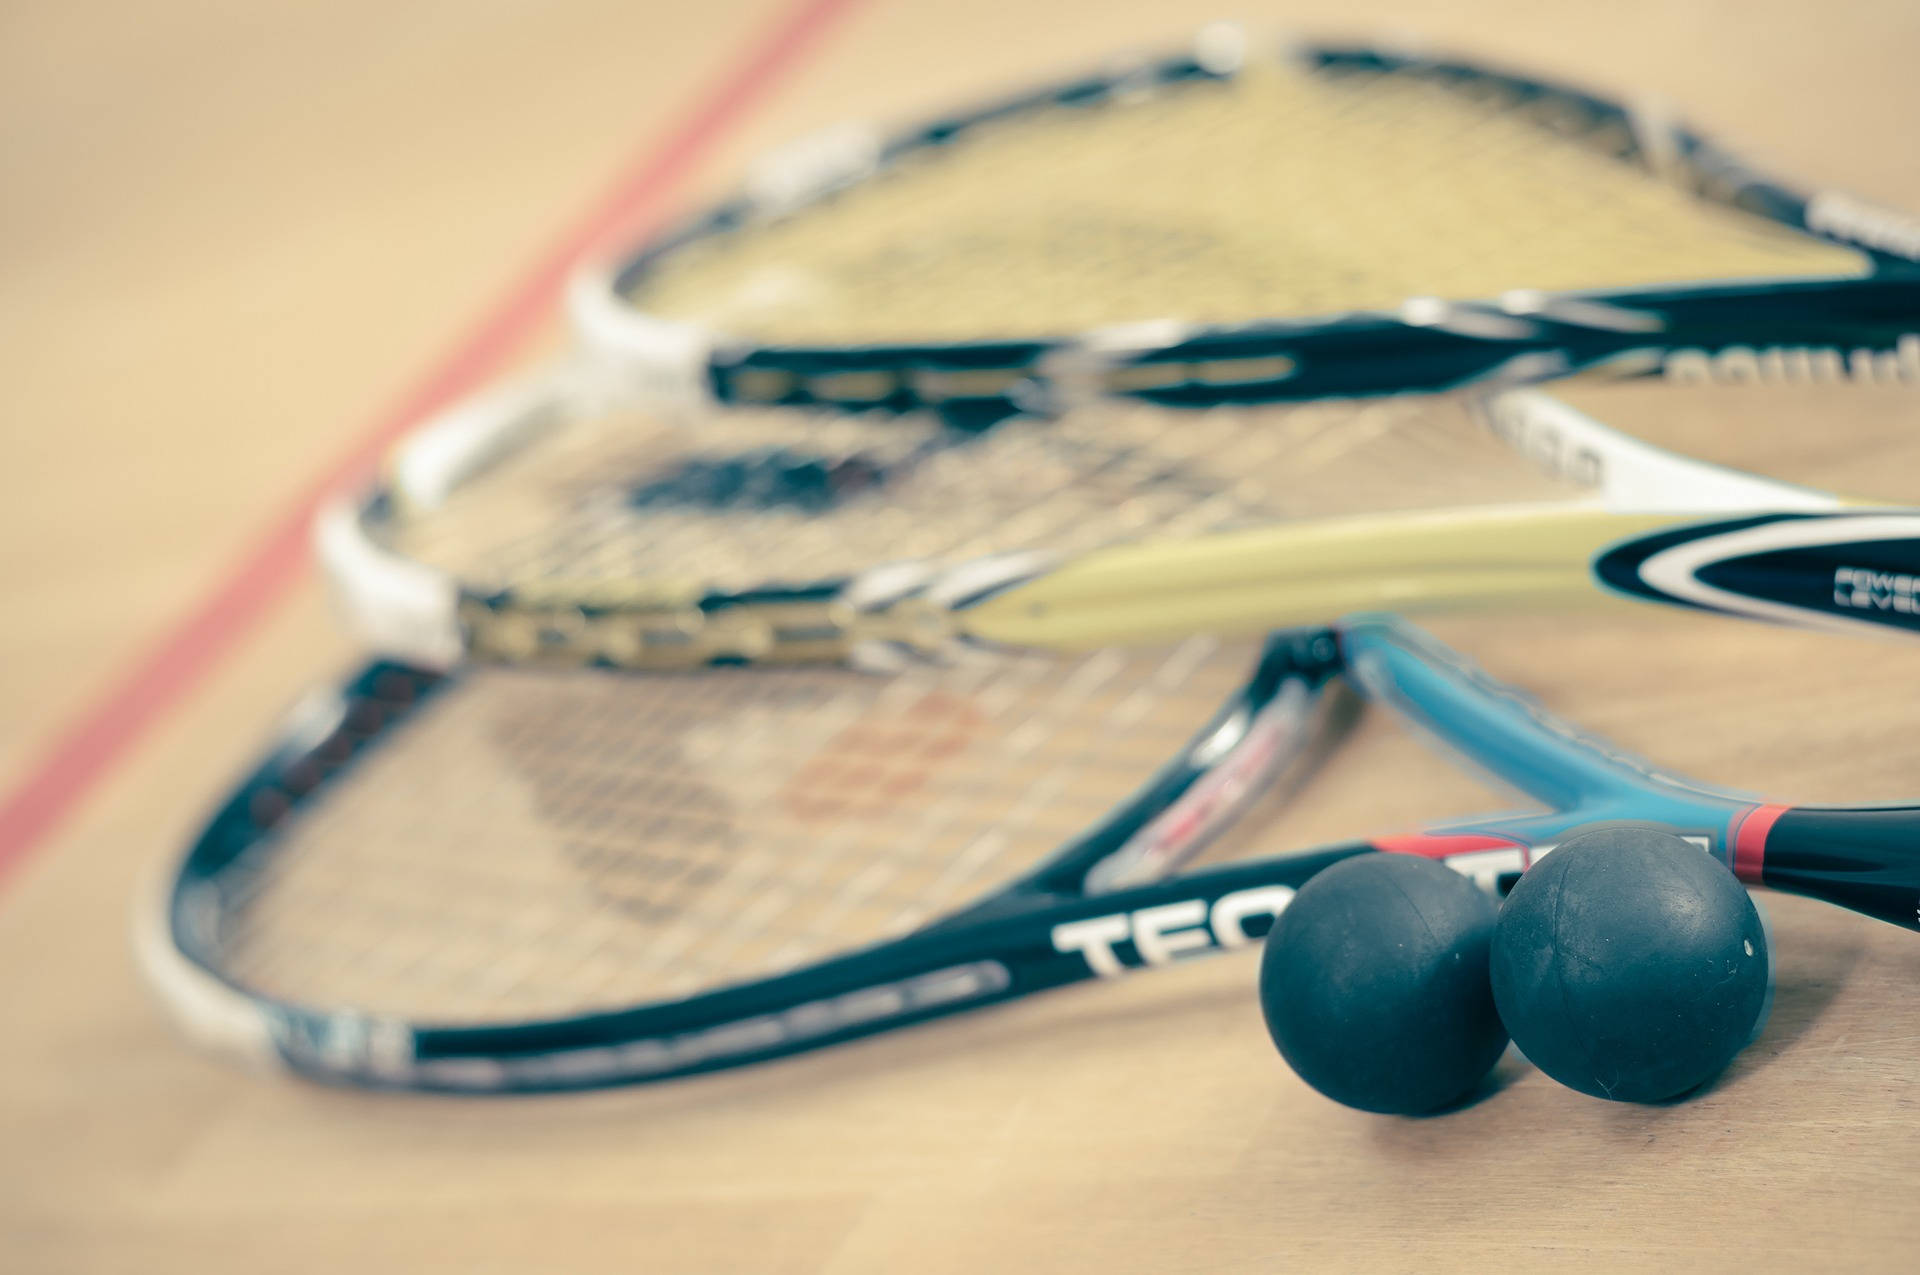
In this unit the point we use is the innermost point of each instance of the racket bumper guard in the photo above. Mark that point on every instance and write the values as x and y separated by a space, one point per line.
658 362
398 606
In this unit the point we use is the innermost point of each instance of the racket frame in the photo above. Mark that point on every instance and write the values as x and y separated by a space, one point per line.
1659 527
1046 929
1861 326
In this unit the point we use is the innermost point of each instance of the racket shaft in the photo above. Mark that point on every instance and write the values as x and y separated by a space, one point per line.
1245 582
1828 330
1865 859
1039 942
1302 573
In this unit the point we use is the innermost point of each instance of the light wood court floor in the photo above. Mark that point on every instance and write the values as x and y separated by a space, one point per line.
236 238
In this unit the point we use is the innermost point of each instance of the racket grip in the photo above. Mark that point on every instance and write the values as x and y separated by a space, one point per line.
1866 859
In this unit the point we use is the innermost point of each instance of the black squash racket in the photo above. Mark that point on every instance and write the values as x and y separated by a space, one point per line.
1234 224
525 880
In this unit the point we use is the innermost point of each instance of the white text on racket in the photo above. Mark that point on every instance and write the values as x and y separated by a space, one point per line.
1169 931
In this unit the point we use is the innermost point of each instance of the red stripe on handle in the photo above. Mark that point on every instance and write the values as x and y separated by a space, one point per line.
1750 841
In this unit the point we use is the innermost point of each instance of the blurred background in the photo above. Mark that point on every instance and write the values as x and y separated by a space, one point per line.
242 246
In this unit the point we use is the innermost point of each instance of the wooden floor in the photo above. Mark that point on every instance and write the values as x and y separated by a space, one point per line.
236 236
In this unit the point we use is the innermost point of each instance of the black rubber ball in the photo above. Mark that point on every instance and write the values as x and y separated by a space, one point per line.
1630 964
1375 987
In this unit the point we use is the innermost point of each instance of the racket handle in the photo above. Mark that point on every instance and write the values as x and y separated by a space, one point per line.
1865 859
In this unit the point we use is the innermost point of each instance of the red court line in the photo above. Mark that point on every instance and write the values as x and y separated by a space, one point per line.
86 750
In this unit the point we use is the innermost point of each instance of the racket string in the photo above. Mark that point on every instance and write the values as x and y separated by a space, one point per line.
537 538
657 837
631 837
539 842
1041 224
832 882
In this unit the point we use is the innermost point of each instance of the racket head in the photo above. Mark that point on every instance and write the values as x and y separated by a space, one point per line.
534 878
538 523
1012 256
1055 921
